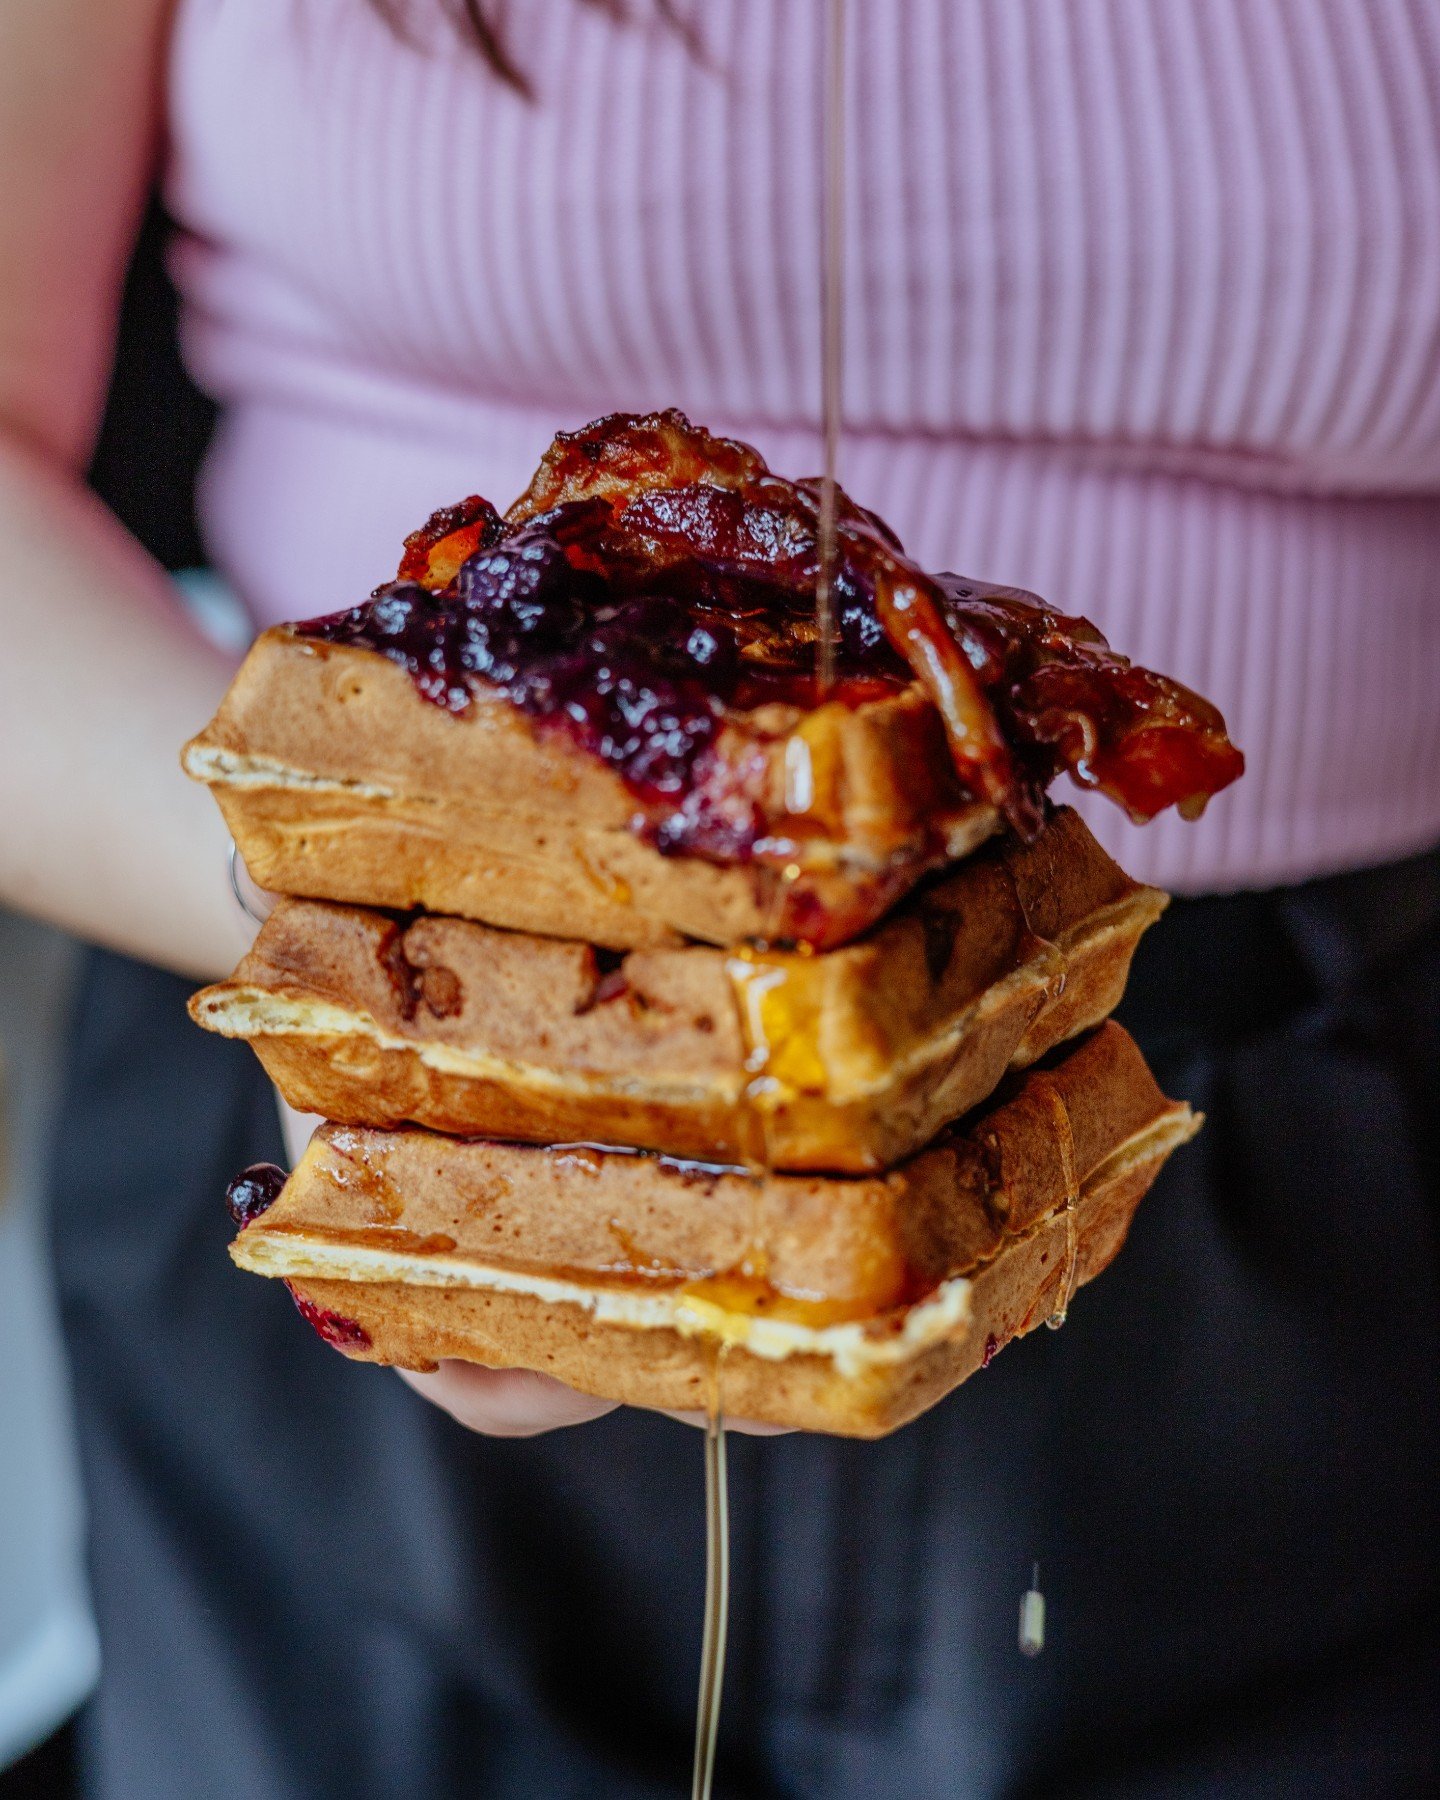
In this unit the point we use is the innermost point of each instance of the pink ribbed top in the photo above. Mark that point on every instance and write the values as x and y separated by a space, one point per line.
1143 307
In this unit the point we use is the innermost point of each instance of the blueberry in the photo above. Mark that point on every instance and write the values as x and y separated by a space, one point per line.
861 632
655 622
397 610
254 1191
524 583
714 649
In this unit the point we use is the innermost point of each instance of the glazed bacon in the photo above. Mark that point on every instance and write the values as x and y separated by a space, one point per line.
655 577
434 553
1061 692
623 454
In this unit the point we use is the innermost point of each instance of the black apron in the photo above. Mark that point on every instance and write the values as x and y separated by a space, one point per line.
312 1586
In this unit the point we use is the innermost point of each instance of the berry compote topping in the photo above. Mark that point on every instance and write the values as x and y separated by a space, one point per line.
335 1328
655 580
254 1191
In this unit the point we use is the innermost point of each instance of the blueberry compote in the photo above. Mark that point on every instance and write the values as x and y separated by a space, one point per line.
335 1328
254 1191
576 632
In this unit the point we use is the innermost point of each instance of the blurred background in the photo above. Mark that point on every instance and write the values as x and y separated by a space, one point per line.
155 431
49 1656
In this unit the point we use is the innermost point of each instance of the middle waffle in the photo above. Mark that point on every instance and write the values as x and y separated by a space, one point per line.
846 1060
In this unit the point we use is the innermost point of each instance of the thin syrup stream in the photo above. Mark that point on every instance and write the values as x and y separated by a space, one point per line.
717 1606
717 1499
1067 1286
832 333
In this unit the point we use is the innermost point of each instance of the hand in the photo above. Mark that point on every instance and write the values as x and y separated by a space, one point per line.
519 1403
504 1402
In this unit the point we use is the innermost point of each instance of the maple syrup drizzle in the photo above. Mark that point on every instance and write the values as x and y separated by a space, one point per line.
1067 1284
832 334
717 1504
1066 1143
717 1597
758 986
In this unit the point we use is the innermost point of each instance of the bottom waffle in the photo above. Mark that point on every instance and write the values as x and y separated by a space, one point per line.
834 1304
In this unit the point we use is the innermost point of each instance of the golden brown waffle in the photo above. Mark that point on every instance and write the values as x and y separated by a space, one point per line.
846 1060
828 1303
339 782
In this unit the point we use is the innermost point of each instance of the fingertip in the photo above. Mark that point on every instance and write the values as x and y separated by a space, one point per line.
504 1402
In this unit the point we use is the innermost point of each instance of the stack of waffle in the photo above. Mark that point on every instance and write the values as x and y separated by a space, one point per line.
682 1032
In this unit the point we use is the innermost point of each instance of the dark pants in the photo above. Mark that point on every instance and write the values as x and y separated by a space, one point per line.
311 1586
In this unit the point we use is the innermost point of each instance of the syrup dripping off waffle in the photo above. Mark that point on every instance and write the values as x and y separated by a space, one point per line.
717 1509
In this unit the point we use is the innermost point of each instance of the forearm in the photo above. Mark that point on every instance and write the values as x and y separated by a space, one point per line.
102 678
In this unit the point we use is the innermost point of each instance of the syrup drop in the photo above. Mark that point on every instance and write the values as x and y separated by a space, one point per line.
1032 1616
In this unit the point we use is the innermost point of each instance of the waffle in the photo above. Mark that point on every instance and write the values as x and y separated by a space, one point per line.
826 1303
848 1060
339 782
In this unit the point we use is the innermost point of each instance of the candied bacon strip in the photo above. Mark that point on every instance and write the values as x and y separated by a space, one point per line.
765 530
747 556
434 553
757 533
624 453
1155 744
910 608
1145 741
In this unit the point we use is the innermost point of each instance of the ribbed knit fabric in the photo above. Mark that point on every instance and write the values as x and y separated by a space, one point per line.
1143 306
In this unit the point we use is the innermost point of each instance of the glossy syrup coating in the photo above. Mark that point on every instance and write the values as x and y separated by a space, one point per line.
655 580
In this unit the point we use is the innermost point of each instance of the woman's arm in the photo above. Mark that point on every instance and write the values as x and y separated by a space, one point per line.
102 676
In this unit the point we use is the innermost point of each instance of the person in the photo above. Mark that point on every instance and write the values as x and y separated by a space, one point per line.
1143 307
